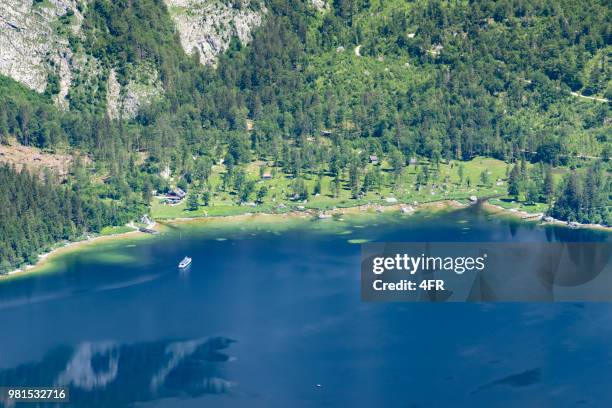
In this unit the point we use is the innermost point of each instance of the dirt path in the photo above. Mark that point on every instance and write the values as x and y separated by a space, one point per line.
590 97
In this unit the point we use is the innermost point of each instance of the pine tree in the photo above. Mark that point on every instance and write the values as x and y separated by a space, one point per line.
531 193
514 182
147 192
397 161
484 178
337 186
192 201
299 189
4 128
354 179
548 187
317 187
567 205
523 170
261 193
246 190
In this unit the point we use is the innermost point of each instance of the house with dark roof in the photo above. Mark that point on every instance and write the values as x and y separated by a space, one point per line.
174 196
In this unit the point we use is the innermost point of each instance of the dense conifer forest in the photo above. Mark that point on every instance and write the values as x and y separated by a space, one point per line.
317 93
36 213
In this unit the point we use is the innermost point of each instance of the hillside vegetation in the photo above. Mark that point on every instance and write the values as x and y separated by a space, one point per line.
319 90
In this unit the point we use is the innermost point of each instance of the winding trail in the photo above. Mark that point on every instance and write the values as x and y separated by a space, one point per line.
579 155
593 98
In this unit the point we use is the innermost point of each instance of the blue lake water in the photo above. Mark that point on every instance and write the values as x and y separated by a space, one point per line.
269 315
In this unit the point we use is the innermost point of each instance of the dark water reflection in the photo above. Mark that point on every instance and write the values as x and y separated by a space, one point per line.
270 316
99 373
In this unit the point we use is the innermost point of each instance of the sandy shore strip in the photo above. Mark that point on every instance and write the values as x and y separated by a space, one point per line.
538 217
66 247
306 213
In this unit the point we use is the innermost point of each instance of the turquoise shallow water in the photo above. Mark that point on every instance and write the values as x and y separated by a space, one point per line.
269 314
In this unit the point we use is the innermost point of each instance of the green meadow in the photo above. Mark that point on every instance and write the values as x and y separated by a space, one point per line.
445 182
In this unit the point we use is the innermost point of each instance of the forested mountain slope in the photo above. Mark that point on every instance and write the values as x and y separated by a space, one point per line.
45 45
309 87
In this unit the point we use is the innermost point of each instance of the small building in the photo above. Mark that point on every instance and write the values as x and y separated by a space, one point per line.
373 159
266 176
175 196
325 132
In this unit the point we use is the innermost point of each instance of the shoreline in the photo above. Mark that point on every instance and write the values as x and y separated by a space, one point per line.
307 213
43 258
69 245
537 217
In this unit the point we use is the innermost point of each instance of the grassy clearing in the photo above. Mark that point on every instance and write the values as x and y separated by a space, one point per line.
509 203
444 183
115 230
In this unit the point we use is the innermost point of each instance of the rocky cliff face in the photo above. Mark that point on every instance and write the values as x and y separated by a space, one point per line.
209 25
35 48
319 4
144 87
31 48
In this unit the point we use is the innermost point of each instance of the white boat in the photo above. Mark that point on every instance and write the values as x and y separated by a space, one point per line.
185 262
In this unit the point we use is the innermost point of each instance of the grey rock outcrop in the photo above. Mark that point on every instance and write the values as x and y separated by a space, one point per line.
209 25
30 48
319 4
34 47
143 88
35 50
